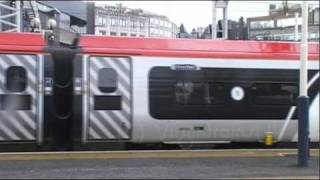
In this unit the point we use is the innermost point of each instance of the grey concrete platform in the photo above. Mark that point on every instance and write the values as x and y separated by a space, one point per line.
253 164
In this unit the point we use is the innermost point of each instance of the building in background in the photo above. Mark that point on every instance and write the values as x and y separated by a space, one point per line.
72 15
122 21
183 33
237 30
280 26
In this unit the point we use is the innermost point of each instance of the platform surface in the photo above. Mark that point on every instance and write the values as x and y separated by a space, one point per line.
201 164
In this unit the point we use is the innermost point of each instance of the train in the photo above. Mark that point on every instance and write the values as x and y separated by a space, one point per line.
147 90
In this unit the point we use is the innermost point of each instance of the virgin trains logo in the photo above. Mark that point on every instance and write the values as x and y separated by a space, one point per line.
185 67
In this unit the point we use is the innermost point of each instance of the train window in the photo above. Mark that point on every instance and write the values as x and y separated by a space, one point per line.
107 80
16 79
215 93
107 103
189 93
15 102
181 94
274 93
199 93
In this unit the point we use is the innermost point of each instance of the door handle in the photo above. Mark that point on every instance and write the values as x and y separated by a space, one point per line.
78 86
48 86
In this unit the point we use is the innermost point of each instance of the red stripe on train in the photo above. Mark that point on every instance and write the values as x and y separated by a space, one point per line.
193 48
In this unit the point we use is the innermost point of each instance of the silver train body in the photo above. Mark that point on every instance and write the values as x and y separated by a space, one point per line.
150 99
134 122
148 129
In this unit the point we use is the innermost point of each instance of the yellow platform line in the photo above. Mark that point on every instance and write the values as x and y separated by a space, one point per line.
151 154
280 177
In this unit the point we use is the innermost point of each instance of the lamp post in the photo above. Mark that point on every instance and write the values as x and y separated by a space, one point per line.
213 25
303 100
19 21
215 5
296 27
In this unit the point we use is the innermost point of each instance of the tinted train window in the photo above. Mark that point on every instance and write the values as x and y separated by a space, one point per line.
274 93
107 80
188 93
215 93
198 93
16 79
107 103
183 93
204 93
15 102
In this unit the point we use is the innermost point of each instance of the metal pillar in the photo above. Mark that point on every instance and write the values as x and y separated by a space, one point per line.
10 17
224 5
214 21
225 20
19 16
303 101
296 27
0 17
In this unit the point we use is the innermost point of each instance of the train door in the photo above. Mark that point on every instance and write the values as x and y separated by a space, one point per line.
109 98
59 100
20 116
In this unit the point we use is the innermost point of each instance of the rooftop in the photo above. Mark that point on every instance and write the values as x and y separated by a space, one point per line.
120 9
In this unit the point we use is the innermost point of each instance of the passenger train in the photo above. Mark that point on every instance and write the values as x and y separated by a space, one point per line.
144 90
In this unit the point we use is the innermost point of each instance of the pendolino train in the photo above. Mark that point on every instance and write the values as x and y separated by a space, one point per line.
143 90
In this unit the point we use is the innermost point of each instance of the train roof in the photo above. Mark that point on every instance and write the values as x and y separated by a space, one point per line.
191 48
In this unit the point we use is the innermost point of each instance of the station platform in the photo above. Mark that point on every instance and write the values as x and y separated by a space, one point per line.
173 164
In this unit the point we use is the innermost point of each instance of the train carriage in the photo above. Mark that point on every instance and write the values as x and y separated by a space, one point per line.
144 90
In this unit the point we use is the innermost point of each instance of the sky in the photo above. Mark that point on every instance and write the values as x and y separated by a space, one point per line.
195 14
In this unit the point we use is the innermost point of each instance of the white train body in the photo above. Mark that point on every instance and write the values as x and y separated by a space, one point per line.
148 129
152 91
